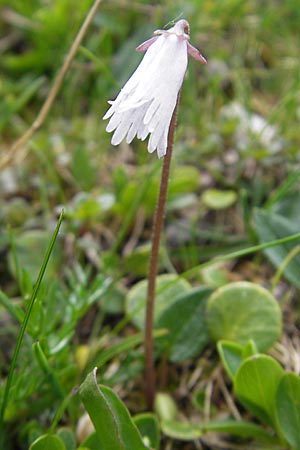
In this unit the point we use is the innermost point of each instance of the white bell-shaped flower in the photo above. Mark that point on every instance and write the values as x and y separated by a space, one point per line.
146 103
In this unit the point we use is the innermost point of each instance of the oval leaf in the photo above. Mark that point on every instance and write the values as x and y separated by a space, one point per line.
241 311
185 320
113 424
288 408
168 289
256 383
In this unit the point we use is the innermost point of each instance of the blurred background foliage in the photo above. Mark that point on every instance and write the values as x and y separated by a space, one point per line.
234 180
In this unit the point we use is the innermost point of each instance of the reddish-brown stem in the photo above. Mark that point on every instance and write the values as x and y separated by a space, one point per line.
153 264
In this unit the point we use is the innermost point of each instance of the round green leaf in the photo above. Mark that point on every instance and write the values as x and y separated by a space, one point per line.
241 311
168 288
255 384
217 199
288 408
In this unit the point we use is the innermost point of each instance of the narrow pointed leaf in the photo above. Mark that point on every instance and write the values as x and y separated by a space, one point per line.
114 427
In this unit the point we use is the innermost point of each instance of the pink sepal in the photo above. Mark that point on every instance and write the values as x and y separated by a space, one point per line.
145 45
194 53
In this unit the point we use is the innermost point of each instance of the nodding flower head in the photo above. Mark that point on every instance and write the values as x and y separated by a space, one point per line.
146 102
180 29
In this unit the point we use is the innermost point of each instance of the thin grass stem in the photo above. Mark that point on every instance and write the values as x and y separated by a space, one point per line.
24 325
239 253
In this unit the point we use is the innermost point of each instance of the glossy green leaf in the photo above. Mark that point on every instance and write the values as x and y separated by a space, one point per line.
241 311
113 424
48 442
188 335
270 226
239 428
255 384
168 289
147 425
288 408
183 431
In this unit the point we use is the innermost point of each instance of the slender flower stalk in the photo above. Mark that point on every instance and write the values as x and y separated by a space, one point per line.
152 271
147 105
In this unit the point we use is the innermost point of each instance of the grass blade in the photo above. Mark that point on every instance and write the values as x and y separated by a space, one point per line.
24 325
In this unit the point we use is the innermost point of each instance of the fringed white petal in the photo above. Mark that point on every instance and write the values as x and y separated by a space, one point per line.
143 132
137 123
147 101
